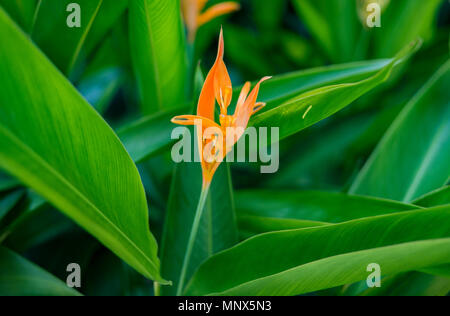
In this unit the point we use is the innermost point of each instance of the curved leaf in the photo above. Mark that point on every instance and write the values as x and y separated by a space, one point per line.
438 197
304 260
68 154
19 277
263 211
412 158
316 105
158 53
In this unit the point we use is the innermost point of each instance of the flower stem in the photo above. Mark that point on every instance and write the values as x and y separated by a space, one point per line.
192 237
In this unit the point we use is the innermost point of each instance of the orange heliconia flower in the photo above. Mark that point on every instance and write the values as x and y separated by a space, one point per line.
214 148
194 18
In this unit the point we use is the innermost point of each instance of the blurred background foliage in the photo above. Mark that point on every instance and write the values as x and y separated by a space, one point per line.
265 37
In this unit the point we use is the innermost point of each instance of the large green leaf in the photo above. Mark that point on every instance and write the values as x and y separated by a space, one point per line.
438 197
262 211
412 158
158 52
8 201
218 229
19 277
6 182
59 42
305 260
313 106
55 142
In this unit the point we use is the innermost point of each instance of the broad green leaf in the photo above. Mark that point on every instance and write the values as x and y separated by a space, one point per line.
57 40
149 135
412 158
158 52
218 229
438 197
21 11
313 106
55 142
19 277
262 211
305 260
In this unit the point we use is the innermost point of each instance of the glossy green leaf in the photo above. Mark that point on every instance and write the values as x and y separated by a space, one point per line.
412 158
218 229
57 40
305 260
438 197
158 52
68 154
19 277
313 106
262 211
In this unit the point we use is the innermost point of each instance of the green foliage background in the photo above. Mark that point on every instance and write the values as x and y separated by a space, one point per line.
86 174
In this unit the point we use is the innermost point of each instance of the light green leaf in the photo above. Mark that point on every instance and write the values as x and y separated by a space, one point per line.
305 260
158 53
313 106
19 277
412 158
21 11
55 142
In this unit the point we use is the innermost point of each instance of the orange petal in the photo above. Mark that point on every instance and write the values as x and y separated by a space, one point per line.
217 84
216 11
244 112
194 120
243 96
201 4
191 11
258 107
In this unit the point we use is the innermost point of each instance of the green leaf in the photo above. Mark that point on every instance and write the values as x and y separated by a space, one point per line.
334 24
19 277
57 40
151 134
402 22
55 142
438 197
262 211
21 11
313 106
7 183
411 284
218 229
412 158
158 53
8 201
305 260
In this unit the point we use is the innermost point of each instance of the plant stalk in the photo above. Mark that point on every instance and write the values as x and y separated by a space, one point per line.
192 237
